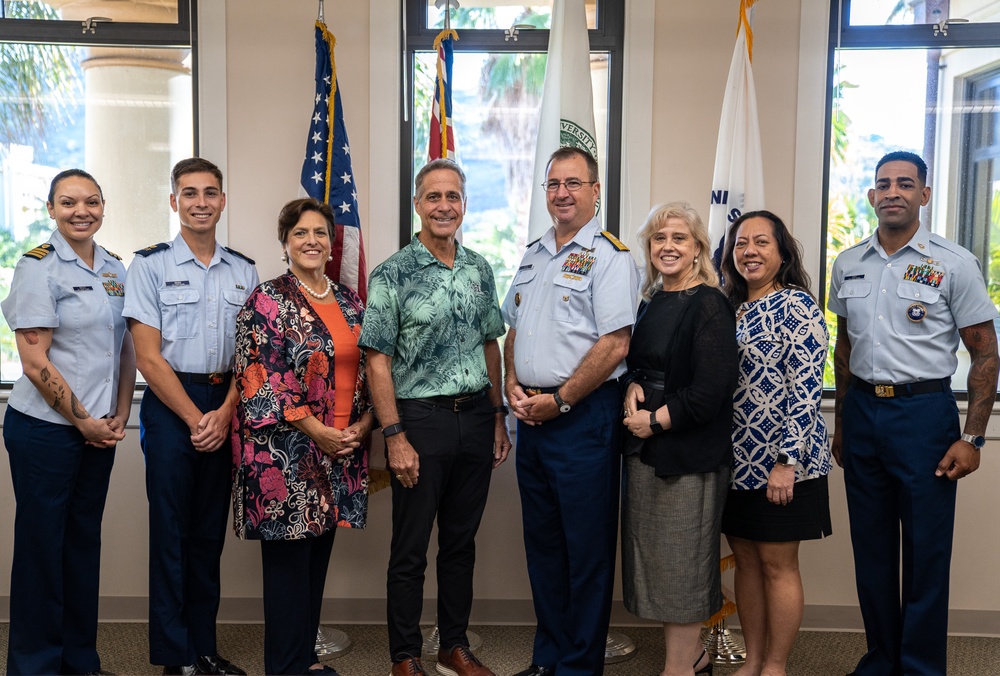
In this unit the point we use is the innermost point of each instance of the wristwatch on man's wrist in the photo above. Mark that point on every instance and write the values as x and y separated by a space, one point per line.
563 406
976 440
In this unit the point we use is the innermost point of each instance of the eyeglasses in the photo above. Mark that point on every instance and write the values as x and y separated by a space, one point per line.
572 185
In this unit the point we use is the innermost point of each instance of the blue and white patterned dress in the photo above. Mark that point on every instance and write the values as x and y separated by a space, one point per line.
782 340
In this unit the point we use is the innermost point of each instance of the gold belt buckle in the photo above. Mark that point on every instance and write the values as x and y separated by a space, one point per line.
532 391
885 391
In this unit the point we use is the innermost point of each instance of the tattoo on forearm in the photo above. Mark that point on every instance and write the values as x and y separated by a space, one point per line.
60 394
77 408
45 375
980 340
31 337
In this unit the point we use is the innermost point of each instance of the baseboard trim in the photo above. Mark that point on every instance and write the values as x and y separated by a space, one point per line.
514 612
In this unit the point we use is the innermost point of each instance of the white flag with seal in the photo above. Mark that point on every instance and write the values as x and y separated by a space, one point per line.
566 117
738 182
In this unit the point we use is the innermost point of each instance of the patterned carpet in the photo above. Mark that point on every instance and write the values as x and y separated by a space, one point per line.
507 650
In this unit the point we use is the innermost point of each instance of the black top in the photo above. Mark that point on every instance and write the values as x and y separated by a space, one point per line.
689 336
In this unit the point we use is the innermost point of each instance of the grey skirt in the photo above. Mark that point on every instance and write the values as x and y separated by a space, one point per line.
670 543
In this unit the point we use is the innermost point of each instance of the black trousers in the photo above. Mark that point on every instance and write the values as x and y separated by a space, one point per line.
456 463
294 576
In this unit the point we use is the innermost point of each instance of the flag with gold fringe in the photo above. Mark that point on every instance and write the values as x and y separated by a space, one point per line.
738 181
326 171
442 135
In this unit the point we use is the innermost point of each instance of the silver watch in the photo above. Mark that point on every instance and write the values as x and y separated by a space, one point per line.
977 441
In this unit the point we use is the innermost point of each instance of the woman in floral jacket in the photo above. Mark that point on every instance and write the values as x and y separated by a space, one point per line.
300 432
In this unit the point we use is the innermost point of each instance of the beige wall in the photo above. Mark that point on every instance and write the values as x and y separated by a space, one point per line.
265 99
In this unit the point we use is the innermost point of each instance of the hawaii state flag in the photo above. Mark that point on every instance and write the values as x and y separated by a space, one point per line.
442 135
326 171
738 182
566 117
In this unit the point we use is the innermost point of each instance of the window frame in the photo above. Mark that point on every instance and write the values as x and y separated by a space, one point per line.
608 36
180 35
843 35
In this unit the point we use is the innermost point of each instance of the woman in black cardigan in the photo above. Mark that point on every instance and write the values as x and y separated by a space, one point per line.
678 410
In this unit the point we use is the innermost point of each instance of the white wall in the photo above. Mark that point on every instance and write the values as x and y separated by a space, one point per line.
257 114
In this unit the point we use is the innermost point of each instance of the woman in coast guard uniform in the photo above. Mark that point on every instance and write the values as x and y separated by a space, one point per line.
64 417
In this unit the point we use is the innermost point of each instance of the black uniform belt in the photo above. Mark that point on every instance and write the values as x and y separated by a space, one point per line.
217 378
535 391
901 389
462 402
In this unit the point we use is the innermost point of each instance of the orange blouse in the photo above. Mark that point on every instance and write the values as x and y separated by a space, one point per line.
348 356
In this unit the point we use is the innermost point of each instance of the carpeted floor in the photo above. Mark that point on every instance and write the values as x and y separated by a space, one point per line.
507 650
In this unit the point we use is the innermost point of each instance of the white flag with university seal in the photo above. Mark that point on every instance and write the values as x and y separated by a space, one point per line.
738 182
566 117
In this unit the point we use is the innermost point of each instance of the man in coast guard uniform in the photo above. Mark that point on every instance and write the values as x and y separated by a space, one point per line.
182 303
904 297
570 309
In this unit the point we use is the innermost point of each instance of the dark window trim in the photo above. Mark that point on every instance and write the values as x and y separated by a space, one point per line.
110 34
417 37
183 34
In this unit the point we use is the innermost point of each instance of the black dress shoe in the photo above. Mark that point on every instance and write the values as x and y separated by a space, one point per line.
216 664
535 670
186 670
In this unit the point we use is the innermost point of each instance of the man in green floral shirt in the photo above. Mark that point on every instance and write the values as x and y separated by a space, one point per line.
431 332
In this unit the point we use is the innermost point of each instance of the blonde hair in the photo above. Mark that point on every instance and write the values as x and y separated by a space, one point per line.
704 271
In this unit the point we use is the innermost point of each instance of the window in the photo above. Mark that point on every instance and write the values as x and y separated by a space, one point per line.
112 95
499 69
922 76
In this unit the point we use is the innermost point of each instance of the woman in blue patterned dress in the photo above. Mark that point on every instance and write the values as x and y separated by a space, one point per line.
778 494
300 432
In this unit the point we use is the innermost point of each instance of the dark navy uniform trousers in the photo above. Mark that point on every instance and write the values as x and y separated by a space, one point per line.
568 473
891 448
188 496
60 485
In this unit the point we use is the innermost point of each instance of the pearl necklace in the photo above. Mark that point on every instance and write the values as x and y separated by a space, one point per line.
318 296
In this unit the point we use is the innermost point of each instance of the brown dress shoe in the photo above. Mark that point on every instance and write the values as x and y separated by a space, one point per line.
411 666
459 661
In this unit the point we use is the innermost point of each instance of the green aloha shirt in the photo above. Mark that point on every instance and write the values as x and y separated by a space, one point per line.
433 320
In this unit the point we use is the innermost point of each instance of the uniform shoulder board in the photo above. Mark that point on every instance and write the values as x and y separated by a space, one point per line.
239 255
162 246
40 251
112 254
531 244
617 243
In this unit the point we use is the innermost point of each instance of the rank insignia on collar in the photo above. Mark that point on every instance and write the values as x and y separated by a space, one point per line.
916 312
920 245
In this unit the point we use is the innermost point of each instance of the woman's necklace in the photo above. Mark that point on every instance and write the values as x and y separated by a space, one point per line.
317 296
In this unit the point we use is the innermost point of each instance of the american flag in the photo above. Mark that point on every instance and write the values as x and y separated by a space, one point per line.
326 171
442 135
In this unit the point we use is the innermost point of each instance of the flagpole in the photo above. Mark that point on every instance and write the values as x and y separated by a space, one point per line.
319 15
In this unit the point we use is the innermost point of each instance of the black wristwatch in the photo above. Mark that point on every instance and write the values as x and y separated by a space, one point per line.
389 430
502 408
654 424
563 406
785 459
977 441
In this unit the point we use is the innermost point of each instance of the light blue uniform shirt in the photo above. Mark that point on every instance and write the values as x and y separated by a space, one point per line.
904 311
84 308
562 302
193 306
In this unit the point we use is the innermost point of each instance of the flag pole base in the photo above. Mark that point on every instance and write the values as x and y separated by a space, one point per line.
619 648
723 645
331 642
432 642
